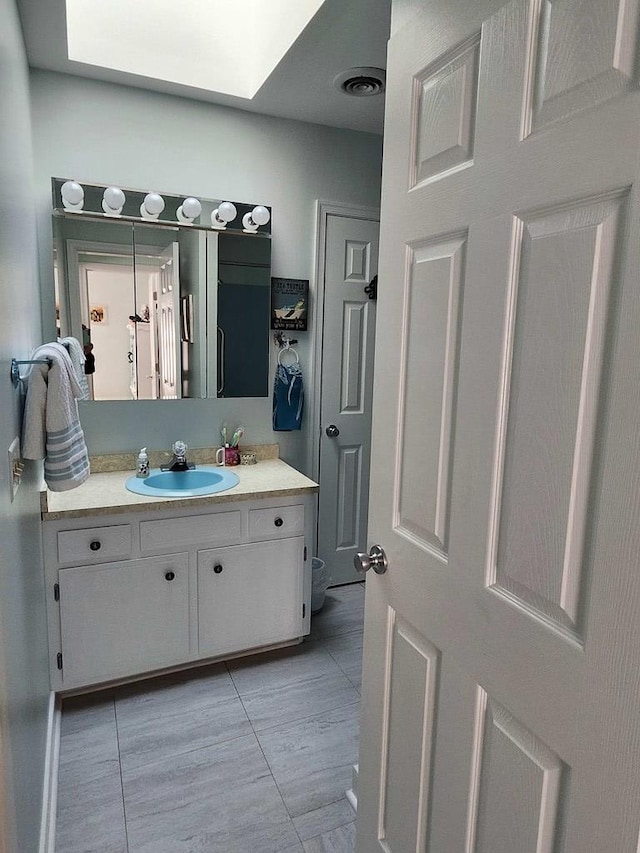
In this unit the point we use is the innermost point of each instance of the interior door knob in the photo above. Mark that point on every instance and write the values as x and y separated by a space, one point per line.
376 559
332 431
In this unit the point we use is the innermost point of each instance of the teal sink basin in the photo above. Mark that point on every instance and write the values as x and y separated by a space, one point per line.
204 480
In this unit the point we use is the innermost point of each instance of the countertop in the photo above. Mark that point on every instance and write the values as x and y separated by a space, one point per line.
103 494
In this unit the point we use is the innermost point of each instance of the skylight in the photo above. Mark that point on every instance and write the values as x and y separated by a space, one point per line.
226 46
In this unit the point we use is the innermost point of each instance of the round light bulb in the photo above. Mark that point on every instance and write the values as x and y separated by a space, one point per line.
260 215
191 208
227 211
72 192
114 198
153 204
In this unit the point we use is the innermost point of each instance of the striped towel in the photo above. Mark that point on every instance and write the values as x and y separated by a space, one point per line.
76 354
51 428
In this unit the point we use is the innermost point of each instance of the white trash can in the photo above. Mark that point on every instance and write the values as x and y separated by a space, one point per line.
320 580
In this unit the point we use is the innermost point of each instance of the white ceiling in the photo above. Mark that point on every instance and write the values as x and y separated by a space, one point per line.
343 34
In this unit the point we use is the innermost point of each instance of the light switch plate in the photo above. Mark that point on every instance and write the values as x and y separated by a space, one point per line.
14 460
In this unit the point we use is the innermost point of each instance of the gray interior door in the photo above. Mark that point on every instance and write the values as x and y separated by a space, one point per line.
351 262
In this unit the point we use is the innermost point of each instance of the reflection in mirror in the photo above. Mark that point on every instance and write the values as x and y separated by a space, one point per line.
164 311
243 287
154 327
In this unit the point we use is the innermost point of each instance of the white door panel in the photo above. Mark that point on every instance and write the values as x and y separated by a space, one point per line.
501 692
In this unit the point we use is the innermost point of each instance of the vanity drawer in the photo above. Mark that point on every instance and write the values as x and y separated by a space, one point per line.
220 528
94 544
276 522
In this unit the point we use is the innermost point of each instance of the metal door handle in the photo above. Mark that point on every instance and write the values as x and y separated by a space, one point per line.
332 431
376 559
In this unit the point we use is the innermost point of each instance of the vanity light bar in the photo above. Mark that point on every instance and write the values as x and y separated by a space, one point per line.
115 202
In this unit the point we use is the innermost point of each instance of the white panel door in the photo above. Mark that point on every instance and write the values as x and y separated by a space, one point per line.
501 691
351 261
167 329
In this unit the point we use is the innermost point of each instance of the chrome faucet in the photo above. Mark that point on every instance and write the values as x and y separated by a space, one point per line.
179 458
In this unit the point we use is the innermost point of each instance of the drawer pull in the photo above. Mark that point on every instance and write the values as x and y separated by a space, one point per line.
95 545
217 568
169 576
278 522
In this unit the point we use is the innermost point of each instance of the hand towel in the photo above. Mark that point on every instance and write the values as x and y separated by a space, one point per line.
288 398
51 428
77 356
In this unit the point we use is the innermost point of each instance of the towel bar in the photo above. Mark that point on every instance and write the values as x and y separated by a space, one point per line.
15 367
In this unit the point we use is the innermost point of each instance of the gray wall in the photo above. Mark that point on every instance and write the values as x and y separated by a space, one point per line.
106 133
24 680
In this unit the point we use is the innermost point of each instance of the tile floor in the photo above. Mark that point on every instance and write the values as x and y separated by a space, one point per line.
251 756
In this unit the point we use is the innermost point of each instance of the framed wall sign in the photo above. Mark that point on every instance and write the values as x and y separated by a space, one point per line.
289 303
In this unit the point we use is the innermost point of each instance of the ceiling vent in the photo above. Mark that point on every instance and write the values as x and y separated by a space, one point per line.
361 82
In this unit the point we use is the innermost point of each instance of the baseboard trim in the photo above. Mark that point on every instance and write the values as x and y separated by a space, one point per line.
50 782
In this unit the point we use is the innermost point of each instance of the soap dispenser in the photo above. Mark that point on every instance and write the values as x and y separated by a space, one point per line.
142 465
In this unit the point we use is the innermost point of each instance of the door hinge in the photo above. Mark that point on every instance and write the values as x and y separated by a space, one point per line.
59 660
304 610
305 553
56 592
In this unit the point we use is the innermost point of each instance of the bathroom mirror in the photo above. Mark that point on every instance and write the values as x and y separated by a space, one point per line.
165 309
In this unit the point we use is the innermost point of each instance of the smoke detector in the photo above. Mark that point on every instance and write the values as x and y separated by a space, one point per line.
361 82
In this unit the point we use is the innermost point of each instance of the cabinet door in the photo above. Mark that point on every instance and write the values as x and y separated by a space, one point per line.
249 595
123 618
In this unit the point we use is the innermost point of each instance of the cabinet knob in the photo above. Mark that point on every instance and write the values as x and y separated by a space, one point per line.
169 576
95 545
217 568
278 522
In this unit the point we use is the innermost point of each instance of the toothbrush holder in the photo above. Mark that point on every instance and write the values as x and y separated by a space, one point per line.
228 456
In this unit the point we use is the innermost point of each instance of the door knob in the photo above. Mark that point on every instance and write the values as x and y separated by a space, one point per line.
376 559
332 431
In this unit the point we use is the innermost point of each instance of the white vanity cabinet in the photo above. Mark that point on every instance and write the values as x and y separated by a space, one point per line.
135 592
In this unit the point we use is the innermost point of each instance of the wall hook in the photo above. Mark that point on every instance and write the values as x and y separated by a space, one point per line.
283 342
